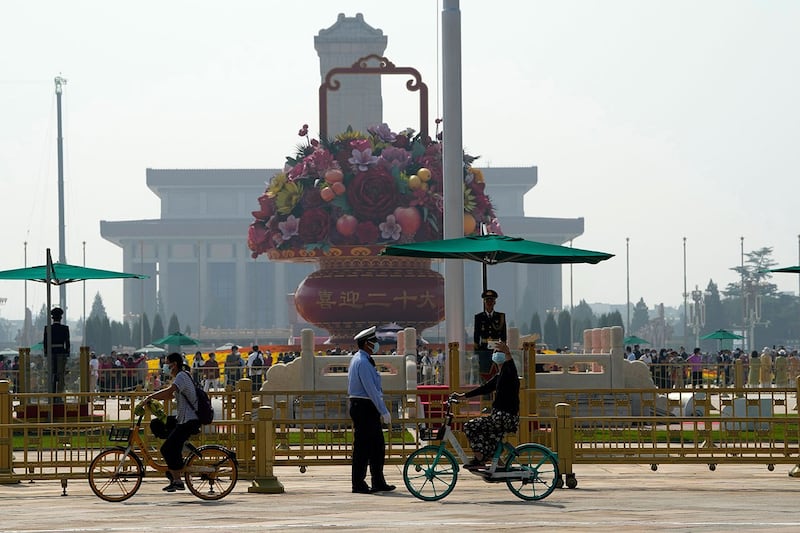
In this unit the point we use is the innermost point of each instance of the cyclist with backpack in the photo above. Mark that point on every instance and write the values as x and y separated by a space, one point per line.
183 390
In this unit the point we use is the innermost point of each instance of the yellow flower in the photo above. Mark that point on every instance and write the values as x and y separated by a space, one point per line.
469 200
276 184
350 135
477 174
288 196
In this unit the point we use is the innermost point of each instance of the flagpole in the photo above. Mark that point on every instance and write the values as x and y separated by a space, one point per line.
453 168
62 290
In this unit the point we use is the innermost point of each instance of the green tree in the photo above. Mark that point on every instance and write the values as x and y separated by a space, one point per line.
641 317
564 326
551 330
610 319
536 325
147 333
121 334
41 322
98 309
174 325
755 272
158 328
583 318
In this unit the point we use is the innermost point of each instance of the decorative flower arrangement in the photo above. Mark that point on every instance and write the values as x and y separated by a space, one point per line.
362 189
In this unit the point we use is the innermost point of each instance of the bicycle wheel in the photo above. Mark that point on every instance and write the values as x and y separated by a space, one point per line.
211 472
115 476
430 473
538 469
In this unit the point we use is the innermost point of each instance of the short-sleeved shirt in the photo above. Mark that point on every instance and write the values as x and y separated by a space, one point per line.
186 397
364 381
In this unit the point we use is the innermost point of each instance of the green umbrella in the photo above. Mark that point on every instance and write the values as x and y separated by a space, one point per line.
62 273
721 334
791 269
177 339
59 274
633 339
494 249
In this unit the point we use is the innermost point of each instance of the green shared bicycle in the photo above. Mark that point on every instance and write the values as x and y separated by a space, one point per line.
530 470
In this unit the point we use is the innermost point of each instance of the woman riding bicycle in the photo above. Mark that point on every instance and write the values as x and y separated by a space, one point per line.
485 432
182 388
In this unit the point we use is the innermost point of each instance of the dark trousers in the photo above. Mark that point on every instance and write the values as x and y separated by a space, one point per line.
59 371
172 449
368 444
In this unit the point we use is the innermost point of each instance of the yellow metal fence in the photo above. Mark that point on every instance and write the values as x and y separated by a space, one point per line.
55 437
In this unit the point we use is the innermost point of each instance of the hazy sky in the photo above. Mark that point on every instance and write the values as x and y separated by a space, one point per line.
653 120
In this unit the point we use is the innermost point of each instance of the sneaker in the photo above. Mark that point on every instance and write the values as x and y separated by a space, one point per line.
175 485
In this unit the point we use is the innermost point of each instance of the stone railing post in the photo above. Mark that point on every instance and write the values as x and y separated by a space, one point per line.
265 481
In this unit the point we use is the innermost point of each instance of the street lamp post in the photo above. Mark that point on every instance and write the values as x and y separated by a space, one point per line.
571 308
746 342
25 317
698 314
685 302
83 328
628 285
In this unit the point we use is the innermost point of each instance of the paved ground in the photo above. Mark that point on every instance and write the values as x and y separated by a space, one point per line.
608 498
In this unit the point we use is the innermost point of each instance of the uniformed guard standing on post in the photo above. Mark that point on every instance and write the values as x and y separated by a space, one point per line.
59 350
490 326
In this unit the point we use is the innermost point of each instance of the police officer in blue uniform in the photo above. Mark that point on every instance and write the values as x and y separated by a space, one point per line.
367 410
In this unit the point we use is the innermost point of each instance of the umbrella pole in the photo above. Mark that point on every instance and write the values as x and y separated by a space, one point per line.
48 348
483 266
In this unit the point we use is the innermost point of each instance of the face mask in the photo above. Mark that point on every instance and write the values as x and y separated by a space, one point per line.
376 346
498 357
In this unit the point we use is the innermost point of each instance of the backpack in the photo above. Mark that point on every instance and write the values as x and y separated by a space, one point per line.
258 361
204 410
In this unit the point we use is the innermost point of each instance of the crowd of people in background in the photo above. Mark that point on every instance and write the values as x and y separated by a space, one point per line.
670 368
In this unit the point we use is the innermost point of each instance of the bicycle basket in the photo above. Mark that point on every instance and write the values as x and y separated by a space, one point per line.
119 434
428 433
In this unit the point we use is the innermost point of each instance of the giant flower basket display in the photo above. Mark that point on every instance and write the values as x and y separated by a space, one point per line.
340 202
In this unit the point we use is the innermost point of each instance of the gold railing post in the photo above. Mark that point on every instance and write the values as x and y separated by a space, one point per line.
83 372
454 360
564 439
795 471
6 457
738 376
527 401
23 378
244 397
243 412
265 481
